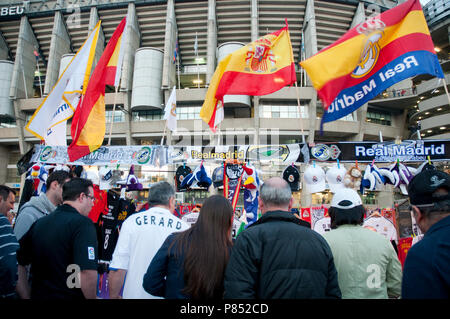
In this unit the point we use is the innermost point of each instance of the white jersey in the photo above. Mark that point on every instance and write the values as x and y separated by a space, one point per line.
190 218
141 235
381 225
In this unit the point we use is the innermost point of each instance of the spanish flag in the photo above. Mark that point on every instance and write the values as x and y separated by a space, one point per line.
259 68
88 124
368 59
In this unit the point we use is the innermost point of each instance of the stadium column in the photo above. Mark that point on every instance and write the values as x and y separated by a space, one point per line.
132 43
360 116
255 36
4 160
60 44
169 76
310 41
4 49
212 41
23 76
93 20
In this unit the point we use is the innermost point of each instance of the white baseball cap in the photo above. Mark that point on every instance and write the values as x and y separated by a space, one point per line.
314 179
346 194
335 177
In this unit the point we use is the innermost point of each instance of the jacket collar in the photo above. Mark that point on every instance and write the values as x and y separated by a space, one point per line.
276 215
445 222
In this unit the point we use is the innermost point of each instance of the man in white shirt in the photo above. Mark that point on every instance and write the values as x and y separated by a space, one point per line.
141 235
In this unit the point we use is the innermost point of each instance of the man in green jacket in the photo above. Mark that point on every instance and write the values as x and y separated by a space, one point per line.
366 262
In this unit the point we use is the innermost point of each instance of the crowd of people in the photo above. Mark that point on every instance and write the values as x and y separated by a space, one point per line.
52 251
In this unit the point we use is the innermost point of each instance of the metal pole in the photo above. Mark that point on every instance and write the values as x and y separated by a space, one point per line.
112 118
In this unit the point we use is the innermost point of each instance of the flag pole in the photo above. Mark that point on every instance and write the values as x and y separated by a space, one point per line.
196 60
164 133
446 90
112 117
299 112
178 69
39 76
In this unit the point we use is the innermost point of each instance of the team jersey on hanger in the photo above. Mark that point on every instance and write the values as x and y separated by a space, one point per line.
382 226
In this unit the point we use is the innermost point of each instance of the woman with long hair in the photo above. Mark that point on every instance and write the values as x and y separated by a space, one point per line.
191 264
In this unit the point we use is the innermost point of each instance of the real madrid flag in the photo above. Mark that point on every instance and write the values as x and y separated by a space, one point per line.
368 59
259 68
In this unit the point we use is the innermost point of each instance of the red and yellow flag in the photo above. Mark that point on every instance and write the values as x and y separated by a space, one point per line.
371 57
88 124
259 68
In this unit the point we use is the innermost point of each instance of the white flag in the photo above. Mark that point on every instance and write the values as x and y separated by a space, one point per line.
170 112
49 120
220 114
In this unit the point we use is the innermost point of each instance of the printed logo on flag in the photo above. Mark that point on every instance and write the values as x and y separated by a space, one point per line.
370 56
257 56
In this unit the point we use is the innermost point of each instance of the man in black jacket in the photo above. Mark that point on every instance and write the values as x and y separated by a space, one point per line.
278 258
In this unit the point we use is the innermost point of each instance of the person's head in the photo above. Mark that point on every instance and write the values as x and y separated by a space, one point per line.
275 194
206 246
216 215
162 194
346 208
54 183
7 199
79 193
429 196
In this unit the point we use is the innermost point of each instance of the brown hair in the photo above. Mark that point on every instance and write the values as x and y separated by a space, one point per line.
206 246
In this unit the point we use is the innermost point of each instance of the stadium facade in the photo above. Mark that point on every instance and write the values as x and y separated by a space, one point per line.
57 29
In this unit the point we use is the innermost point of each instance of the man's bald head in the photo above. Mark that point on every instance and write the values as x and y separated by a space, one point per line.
275 193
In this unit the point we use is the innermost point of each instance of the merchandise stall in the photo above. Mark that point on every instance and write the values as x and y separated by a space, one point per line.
380 171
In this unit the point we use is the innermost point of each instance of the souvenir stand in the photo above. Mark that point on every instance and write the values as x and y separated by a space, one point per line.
380 171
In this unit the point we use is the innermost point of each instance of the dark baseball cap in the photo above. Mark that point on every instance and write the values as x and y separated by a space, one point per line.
217 176
180 174
422 188
292 176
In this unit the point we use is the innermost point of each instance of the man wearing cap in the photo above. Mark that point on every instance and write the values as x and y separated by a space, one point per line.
276 257
426 272
366 262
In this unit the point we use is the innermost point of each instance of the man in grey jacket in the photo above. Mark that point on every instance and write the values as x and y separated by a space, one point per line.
42 205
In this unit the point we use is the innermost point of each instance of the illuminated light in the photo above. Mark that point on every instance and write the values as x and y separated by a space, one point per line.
442 128
197 81
420 117
437 49
382 118
439 109
429 131
422 134
422 97
426 113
